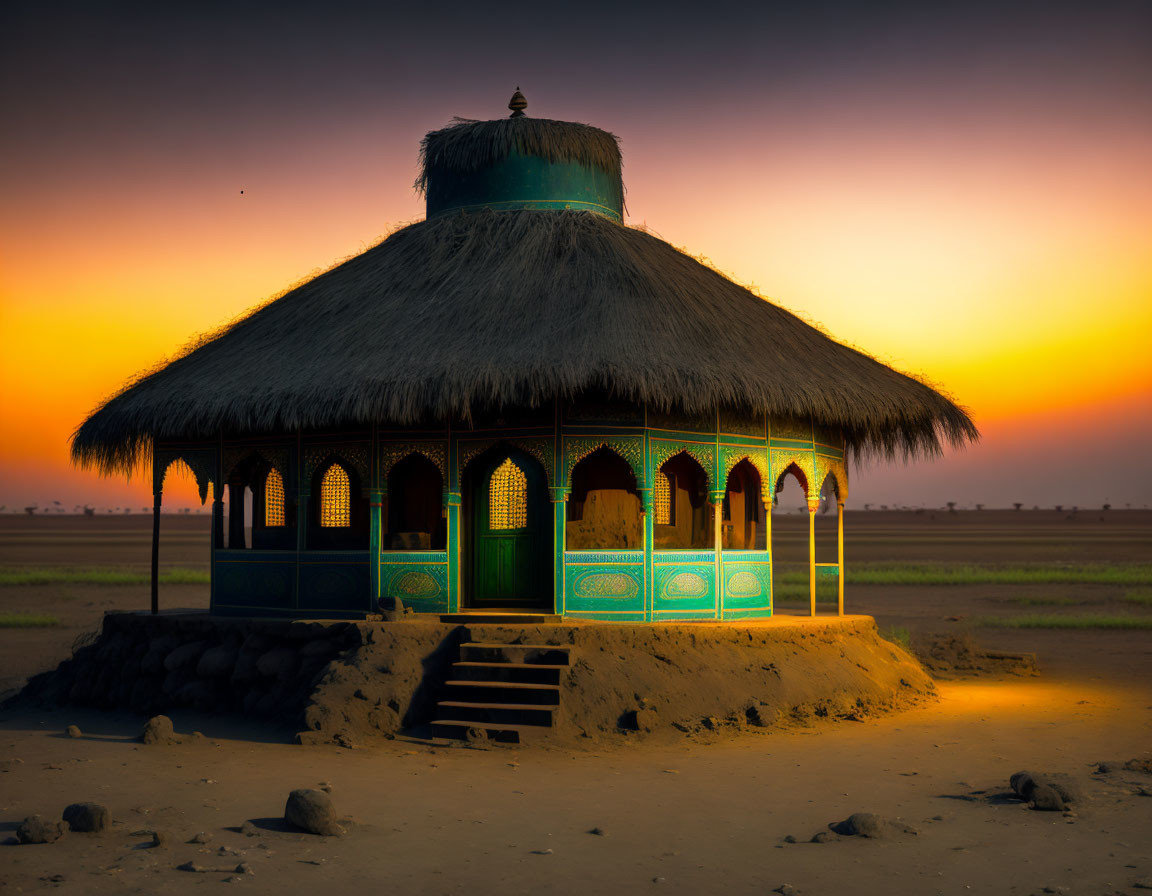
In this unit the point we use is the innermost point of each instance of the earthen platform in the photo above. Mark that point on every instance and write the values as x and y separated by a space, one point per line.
350 681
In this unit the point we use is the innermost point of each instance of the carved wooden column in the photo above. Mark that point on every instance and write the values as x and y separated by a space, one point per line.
813 506
840 555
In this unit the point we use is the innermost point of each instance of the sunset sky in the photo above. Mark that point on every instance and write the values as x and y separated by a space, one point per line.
964 192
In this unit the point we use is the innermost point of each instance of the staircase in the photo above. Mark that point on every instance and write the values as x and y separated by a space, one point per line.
511 692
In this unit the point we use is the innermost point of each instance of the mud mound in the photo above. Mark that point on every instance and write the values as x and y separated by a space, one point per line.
348 682
952 655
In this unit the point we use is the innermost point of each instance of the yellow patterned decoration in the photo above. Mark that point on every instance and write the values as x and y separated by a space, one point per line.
834 467
508 497
663 499
273 499
335 498
782 459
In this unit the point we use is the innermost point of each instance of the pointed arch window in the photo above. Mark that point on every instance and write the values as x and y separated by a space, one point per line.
273 499
335 498
508 497
662 499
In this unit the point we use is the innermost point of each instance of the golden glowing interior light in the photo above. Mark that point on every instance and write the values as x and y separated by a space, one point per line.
335 498
662 498
508 497
273 499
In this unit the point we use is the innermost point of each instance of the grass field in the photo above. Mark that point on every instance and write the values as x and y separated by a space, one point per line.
1067 622
28 620
53 575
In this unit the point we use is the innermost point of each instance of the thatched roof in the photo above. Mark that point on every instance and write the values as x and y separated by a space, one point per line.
480 309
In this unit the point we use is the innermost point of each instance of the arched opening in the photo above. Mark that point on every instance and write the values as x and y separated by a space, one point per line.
604 510
416 506
743 527
507 523
790 582
828 533
185 522
688 513
339 518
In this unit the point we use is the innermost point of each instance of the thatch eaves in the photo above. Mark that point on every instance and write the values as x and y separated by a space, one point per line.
476 310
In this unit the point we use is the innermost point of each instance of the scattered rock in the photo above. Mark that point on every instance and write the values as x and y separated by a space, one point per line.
158 731
476 736
541 852
159 839
787 890
311 810
823 837
201 837
37 829
244 868
10 765
1049 793
73 731
870 825
250 830
87 818
191 866
599 832
790 839
1145 883
1139 765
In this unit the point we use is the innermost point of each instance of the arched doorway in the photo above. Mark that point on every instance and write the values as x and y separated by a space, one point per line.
508 532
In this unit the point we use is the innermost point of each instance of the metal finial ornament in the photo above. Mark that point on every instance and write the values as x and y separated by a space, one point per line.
517 104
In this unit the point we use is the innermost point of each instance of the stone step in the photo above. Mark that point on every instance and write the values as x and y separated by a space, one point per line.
498 713
501 692
457 729
480 618
528 673
519 654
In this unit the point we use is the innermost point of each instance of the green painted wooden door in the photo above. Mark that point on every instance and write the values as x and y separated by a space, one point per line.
507 550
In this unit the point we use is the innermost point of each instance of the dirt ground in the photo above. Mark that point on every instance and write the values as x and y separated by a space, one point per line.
709 813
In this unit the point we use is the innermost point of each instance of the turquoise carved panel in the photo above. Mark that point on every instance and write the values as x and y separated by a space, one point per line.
747 582
418 578
604 585
684 585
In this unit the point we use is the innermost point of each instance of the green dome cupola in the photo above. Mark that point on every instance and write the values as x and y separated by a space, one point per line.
521 163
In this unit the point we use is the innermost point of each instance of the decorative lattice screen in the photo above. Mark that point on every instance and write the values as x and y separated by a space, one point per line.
335 498
508 497
662 499
273 499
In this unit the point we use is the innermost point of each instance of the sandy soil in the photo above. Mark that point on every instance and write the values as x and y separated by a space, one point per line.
706 814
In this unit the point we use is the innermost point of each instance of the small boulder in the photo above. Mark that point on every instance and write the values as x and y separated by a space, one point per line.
184 655
201 837
244 868
37 829
870 825
87 818
158 730
217 662
73 731
1050 793
311 810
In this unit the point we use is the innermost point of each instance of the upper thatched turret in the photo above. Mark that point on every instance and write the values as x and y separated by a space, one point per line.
521 163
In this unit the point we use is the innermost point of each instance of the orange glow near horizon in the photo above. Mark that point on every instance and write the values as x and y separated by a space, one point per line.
989 233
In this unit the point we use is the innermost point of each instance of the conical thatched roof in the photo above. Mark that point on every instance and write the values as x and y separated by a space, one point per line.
480 309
